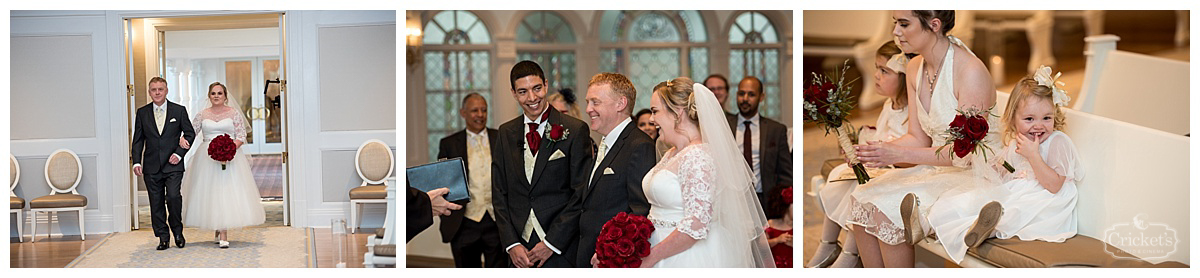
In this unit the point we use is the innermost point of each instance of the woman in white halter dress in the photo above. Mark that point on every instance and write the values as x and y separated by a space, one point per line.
216 199
960 85
701 194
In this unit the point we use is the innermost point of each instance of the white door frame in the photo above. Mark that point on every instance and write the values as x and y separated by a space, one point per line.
118 25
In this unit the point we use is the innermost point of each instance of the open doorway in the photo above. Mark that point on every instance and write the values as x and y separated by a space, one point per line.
243 51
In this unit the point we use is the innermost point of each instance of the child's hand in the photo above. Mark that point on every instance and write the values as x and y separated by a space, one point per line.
1028 148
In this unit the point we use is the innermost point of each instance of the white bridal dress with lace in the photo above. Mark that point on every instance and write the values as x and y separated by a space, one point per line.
217 199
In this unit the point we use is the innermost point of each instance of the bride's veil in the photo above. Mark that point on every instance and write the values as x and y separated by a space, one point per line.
735 206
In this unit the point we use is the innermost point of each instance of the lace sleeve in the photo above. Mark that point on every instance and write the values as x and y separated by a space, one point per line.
1061 156
239 126
697 178
197 122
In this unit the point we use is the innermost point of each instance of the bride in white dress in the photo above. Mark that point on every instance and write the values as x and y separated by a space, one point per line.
701 194
215 198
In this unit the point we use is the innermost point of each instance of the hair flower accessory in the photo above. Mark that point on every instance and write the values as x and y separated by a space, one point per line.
898 62
1043 78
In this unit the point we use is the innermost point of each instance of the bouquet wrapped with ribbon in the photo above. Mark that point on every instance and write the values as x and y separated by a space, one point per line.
624 241
222 149
967 132
827 103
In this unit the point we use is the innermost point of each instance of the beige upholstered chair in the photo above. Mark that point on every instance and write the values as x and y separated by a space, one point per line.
374 163
63 172
16 205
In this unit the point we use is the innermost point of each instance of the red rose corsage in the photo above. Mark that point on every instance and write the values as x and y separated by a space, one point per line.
556 133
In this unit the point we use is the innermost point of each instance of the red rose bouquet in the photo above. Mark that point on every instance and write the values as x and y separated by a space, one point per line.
222 149
827 102
624 241
967 132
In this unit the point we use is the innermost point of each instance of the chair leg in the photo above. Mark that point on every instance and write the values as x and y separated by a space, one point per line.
353 217
81 222
33 233
20 225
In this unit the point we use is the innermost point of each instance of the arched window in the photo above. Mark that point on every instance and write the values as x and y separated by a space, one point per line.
544 37
457 63
754 51
653 46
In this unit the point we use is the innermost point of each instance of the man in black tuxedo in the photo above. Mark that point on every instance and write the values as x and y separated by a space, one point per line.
539 170
472 232
767 150
158 158
624 156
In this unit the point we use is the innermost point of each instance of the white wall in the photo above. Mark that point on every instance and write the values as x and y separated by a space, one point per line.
67 93
322 92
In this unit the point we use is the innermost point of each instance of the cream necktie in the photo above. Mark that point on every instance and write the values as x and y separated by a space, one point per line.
160 117
599 157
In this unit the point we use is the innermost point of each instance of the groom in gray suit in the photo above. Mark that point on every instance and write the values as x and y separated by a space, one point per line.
158 158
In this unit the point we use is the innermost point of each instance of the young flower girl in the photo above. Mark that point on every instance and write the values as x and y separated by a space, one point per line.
1038 198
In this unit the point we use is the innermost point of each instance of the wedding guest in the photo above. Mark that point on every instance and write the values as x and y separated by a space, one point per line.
625 155
763 141
539 163
1041 192
472 232
423 206
564 101
834 196
645 122
779 226
720 88
944 79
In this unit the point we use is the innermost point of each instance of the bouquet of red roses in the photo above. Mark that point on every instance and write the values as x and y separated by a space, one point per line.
222 149
827 102
624 241
967 132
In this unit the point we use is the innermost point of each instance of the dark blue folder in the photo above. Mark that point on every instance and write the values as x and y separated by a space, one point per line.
449 173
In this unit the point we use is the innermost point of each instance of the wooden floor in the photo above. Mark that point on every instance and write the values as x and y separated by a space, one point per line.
58 251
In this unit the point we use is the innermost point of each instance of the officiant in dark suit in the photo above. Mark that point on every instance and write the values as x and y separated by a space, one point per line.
539 169
763 142
472 231
624 156
158 158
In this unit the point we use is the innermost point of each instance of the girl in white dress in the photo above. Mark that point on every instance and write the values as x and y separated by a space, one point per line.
1040 202
948 78
834 196
215 198
701 194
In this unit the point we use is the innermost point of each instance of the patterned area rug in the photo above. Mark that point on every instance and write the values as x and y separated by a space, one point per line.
250 247
273 209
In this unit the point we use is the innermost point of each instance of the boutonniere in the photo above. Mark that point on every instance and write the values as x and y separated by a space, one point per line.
556 133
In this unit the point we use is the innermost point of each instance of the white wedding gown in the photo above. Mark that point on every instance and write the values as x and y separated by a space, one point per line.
217 199
680 189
